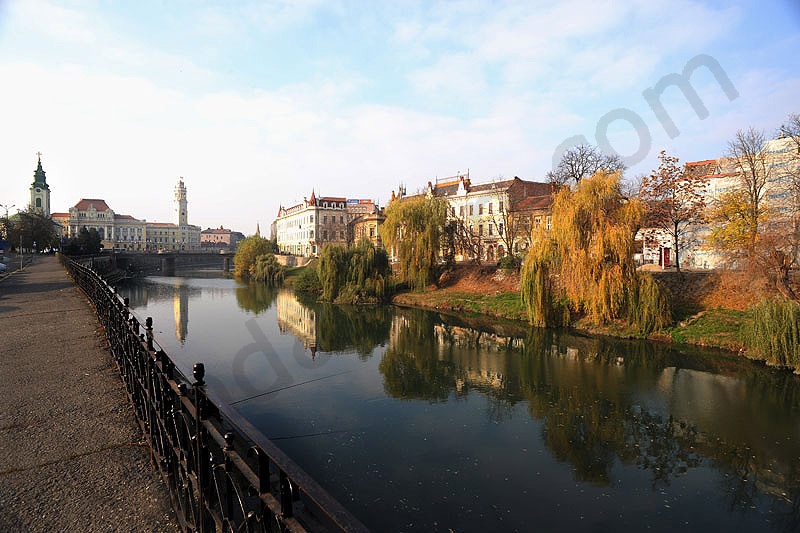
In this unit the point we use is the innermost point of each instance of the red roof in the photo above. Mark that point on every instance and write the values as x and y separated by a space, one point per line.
124 217
698 163
97 203
534 202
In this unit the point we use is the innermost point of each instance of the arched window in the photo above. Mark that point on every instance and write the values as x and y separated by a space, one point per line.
38 202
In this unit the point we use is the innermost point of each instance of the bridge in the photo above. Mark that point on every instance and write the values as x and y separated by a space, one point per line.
167 264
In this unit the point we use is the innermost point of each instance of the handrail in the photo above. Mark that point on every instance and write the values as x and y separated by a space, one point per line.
223 473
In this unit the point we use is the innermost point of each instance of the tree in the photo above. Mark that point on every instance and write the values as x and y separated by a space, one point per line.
584 264
415 229
266 269
247 252
582 161
33 230
355 274
747 151
88 241
674 201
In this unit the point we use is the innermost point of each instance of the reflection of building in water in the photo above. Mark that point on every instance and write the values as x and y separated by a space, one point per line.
297 319
180 308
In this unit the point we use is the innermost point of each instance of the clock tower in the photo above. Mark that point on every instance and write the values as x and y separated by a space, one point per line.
40 191
180 204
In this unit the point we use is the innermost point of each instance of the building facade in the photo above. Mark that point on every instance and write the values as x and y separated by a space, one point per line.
125 232
304 228
220 239
488 219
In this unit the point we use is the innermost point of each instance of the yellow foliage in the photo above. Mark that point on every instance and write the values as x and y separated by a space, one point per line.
587 257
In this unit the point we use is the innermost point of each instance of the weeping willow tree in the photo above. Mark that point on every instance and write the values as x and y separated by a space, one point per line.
267 269
358 274
414 229
584 264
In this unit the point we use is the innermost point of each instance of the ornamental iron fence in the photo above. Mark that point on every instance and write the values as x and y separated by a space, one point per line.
223 474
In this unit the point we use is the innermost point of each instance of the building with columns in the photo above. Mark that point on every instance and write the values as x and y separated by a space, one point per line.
125 232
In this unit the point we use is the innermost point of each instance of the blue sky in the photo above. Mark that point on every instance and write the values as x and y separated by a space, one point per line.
256 103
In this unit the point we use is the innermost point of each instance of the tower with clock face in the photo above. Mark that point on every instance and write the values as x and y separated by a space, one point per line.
40 191
180 204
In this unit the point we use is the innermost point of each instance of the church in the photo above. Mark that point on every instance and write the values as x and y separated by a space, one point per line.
118 231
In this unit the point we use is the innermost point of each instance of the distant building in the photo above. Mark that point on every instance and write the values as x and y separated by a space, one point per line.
220 239
367 226
40 191
124 232
304 228
491 217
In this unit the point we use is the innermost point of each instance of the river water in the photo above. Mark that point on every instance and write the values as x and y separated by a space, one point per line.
418 421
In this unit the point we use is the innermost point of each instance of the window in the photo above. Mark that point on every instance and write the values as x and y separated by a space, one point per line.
491 228
480 229
501 206
312 218
461 211
341 219
454 211
38 202
549 222
480 209
371 232
471 211
490 208
500 230
325 219
325 235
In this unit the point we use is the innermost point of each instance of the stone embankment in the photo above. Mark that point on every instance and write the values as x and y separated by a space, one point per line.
71 455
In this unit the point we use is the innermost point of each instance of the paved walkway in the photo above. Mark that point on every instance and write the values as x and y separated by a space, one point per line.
70 452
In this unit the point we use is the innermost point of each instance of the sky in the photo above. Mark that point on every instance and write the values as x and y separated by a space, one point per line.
256 104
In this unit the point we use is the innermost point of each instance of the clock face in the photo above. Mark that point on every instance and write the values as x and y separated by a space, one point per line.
38 190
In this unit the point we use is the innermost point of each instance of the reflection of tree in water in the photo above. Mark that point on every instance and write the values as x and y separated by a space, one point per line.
343 328
256 297
410 366
579 393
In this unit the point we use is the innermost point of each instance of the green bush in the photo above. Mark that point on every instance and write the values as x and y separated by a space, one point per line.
307 282
775 332
508 262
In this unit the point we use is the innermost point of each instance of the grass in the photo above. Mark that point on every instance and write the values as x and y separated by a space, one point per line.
501 304
713 327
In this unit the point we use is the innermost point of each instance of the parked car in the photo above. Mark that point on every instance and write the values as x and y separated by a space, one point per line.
2 267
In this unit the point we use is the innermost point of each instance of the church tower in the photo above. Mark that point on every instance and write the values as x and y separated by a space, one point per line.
40 191
180 204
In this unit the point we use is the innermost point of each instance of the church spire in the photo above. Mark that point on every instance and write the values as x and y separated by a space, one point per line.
39 179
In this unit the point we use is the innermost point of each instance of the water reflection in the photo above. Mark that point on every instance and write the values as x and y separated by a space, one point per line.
436 416
605 402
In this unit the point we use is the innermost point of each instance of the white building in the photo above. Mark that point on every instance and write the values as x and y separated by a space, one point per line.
304 228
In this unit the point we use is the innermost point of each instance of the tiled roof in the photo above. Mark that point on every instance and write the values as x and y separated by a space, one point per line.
534 202
97 203
124 217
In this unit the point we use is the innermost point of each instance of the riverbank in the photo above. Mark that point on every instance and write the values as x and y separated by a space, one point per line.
710 308
72 457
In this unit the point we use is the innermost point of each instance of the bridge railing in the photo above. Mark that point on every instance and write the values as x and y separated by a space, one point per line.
223 474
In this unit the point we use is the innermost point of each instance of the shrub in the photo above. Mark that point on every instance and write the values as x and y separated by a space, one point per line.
775 332
508 262
307 281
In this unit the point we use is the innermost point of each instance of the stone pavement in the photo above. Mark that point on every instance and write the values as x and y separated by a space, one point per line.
71 455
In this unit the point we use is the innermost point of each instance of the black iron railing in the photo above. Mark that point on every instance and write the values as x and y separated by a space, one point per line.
223 474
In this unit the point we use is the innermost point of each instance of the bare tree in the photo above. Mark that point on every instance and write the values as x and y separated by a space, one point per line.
747 150
582 161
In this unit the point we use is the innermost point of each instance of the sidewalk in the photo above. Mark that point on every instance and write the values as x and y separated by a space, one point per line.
70 451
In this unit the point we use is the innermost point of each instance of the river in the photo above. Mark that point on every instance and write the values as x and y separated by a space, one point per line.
418 421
